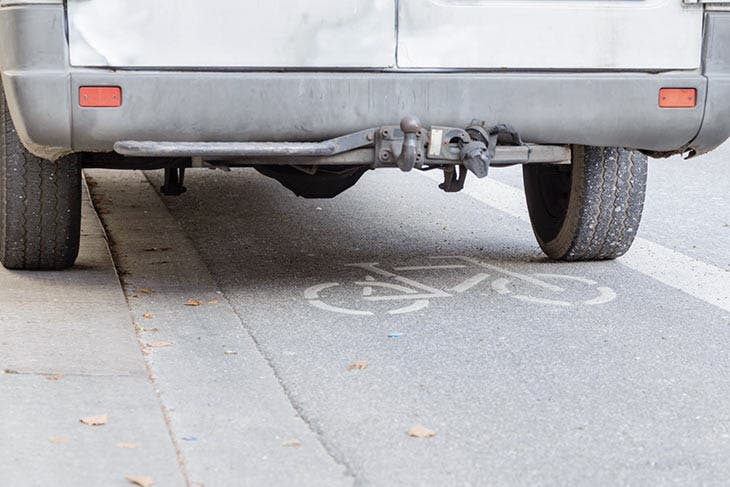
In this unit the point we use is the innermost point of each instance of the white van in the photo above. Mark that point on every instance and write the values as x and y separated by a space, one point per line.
315 93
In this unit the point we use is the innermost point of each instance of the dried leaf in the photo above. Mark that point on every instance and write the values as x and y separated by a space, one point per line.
58 439
193 302
292 443
135 295
359 365
159 344
127 446
420 431
141 480
145 290
147 316
10 371
213 301
96 420
57 376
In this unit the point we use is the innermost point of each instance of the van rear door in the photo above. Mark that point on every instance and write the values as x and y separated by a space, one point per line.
427 34
549 34
232 33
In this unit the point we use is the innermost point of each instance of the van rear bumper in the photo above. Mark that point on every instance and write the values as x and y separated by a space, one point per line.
605 109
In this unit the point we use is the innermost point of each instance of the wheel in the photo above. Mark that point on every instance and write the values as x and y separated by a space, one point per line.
40 205
591 209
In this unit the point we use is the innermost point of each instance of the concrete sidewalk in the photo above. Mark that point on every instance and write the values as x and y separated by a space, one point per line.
77 323
186 386
230 411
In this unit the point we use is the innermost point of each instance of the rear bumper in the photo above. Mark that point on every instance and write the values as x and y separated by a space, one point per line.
607 109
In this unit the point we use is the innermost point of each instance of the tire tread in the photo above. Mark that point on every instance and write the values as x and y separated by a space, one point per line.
606 202
40 205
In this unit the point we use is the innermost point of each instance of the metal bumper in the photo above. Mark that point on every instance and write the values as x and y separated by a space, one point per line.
606 109
322 153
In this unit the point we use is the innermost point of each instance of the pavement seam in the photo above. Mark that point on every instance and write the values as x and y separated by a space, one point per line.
148 368
65 374
331 451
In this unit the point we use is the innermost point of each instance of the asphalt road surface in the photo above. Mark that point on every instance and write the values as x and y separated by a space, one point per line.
296 342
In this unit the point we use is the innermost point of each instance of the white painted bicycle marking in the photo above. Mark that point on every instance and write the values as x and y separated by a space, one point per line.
429 267
318 303
606 296
312 295
372 267
371 284
500 270
534 300
567 277
417 306
501 286
470 283
313 292
420 294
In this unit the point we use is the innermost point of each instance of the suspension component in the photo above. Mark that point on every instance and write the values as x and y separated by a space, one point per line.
174 179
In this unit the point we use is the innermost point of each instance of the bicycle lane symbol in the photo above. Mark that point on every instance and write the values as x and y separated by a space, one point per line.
410 295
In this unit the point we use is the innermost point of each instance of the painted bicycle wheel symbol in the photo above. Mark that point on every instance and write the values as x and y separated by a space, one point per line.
409 295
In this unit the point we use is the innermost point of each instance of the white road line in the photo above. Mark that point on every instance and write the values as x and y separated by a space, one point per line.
696 278
429 267
470 283
417 306
606 296
680 271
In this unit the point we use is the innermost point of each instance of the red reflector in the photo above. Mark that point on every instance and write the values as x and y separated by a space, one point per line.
100 96
677 97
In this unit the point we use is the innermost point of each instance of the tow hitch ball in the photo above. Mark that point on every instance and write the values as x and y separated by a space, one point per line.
473 148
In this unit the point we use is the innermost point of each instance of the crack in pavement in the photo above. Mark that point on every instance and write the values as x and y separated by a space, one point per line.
337 456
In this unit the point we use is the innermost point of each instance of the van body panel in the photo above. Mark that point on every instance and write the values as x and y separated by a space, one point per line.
552 34
232 33
427 34
593 107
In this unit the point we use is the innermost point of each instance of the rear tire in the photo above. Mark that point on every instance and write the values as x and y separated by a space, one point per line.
40 205
591 209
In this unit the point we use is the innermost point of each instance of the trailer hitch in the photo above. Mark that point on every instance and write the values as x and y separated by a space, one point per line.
480 151
412 130
453 179
409 145
477 149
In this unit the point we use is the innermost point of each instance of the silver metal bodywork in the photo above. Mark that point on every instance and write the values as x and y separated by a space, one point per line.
231 33
524 34
553 34
606 107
